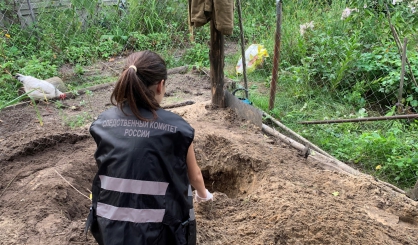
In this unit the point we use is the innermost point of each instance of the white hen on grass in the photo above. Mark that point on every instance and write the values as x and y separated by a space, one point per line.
41 89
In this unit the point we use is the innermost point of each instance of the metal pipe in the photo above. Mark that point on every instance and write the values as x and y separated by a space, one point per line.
364 119
244 65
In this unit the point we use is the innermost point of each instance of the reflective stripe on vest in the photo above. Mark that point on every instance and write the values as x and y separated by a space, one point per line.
191 211
190 193
130 214
141 187
133 186
191 214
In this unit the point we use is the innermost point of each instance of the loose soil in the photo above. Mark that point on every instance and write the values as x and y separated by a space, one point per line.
265 192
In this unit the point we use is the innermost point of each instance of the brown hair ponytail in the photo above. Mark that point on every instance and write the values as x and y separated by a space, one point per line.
132 87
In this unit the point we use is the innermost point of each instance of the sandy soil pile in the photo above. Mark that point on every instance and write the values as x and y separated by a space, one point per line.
265 192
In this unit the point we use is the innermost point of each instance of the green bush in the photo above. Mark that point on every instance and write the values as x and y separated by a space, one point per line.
382 66
82 54
197 55
386 153
108 48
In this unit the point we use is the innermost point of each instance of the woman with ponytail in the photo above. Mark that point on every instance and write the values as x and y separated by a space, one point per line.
142 192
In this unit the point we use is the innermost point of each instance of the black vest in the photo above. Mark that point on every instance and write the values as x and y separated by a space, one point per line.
141 192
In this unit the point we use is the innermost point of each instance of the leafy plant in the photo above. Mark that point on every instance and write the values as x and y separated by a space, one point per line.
89 94
80 54
78 70
382 66
39 68
78 120
38 114
108 48
198 55
59 104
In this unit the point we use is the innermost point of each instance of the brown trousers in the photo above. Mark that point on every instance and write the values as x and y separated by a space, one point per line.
200 13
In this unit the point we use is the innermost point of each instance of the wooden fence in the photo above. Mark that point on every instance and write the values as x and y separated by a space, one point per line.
26 11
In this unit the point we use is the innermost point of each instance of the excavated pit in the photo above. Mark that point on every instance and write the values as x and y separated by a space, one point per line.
226 169
233 182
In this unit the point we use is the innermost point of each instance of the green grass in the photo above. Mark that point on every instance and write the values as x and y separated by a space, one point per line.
340 69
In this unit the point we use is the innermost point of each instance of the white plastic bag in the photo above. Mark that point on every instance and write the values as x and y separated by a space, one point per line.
254 57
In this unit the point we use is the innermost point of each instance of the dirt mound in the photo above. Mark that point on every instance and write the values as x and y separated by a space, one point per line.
265 192
38 206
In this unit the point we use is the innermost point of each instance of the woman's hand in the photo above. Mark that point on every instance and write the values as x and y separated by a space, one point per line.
203 198
195 175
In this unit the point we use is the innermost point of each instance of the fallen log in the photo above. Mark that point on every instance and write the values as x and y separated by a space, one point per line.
297 136
177 70
189 102
329 162
325 161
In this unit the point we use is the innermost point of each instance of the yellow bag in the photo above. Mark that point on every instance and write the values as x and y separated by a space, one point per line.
254 57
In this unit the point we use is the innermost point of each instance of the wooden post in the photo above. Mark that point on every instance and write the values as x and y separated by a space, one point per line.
32 14
216 57
276 58
402 73
398 44
189 22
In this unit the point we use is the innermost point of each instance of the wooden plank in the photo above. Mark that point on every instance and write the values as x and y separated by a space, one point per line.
23 4
43 6
40 11
32 14
43 1
32 1
54 4
243 110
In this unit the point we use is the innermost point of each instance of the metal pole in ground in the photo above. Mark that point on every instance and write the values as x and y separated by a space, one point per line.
276 59
244 65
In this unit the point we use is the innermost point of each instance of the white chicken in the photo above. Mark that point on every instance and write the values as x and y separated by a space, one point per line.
40 89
